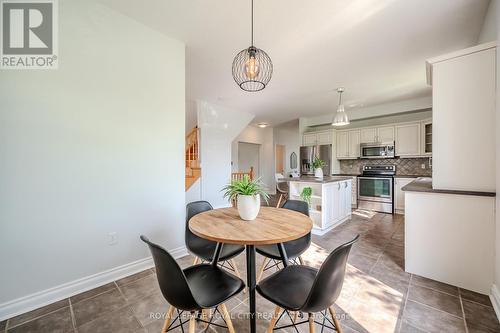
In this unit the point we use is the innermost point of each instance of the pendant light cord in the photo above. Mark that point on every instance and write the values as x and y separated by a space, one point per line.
252 23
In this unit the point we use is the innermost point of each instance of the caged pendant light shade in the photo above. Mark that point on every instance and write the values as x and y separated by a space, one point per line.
252 67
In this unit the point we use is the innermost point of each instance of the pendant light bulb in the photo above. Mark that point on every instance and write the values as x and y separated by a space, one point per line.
252 67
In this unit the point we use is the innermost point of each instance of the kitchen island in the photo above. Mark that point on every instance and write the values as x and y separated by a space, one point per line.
330 200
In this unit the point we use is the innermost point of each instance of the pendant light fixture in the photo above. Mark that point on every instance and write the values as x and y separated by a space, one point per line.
340 118
252 67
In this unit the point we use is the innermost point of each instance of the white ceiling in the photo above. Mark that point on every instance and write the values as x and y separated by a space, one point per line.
376 49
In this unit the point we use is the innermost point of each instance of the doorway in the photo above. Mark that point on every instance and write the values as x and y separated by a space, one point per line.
249 156
280 159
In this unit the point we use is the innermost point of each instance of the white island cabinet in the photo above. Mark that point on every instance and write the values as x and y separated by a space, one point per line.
331 200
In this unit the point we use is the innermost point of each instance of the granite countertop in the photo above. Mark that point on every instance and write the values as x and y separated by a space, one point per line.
326 179
425 185
358 174
410 176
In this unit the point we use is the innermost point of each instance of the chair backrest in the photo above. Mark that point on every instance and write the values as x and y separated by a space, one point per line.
328 283
171 278
297 205
300 245
192 209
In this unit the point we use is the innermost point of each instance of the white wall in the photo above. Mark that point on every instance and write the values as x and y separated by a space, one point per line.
489 30
497 216
249 157
263 137
91 148
219 126
290 137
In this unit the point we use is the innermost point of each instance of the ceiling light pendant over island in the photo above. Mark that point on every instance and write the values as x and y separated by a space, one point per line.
340 118
252 67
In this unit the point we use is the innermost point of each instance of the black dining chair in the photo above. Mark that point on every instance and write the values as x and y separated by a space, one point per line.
203 249
195 289
293 249
299 288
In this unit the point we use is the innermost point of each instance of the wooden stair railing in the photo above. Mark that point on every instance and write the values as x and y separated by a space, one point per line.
240 175
193 170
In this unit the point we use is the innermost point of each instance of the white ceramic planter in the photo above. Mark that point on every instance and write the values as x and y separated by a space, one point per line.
318 173
248 206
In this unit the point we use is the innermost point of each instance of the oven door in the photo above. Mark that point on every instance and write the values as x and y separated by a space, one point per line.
373 151
375 189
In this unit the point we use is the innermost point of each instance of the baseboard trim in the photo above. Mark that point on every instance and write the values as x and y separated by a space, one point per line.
36 300
320 232
495 299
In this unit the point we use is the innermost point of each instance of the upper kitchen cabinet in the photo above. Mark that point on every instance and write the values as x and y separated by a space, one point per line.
385 134
348 144
354 141
463 118
426 139
377 134
408 140
368 135
317 138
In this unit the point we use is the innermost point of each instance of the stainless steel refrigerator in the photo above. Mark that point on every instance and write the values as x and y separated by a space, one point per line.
307 155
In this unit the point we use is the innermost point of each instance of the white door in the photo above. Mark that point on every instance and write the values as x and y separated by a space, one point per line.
309 139
337 204
342 145
354 143
385 134
324 138
408 140
347 193
368 135
400 194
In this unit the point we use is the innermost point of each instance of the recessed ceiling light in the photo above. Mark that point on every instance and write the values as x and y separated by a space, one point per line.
262 125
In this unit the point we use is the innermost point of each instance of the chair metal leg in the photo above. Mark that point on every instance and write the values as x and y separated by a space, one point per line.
261 270
279 201
192 323
205 315
301 260
227 318
274 320
311 323
168 319
196 260
335 319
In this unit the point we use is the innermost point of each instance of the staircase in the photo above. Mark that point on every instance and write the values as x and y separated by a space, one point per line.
193 170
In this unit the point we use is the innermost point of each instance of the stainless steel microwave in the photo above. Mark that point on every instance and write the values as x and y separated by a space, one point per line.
377 150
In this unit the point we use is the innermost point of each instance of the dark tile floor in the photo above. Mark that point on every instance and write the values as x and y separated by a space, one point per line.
378 296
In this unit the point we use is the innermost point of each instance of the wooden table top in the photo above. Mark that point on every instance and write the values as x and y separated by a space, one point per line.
272 226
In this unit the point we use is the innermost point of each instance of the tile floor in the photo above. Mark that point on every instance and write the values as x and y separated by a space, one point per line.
377 296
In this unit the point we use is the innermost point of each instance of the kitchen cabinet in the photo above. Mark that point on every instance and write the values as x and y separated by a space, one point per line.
342 145
408 140
426 139
399 195
317 138
377 134
348 144
368 135
385 134
309 139
354 137
330 202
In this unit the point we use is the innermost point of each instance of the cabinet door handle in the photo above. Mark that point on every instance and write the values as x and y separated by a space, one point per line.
345 185
338 186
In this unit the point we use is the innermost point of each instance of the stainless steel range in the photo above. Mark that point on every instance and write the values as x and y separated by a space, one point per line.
376 188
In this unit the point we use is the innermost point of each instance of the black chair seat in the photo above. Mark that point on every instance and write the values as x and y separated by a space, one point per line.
211 285
293 250
205 250
289 287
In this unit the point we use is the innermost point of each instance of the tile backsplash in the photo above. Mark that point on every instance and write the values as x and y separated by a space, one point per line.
404 166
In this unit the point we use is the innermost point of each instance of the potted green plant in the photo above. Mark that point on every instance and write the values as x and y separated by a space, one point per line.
318 165
247 193
306 195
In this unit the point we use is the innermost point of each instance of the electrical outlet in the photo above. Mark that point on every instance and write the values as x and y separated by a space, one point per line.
422 165
112 238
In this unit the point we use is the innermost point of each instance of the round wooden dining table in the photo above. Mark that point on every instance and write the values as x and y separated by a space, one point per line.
272 226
